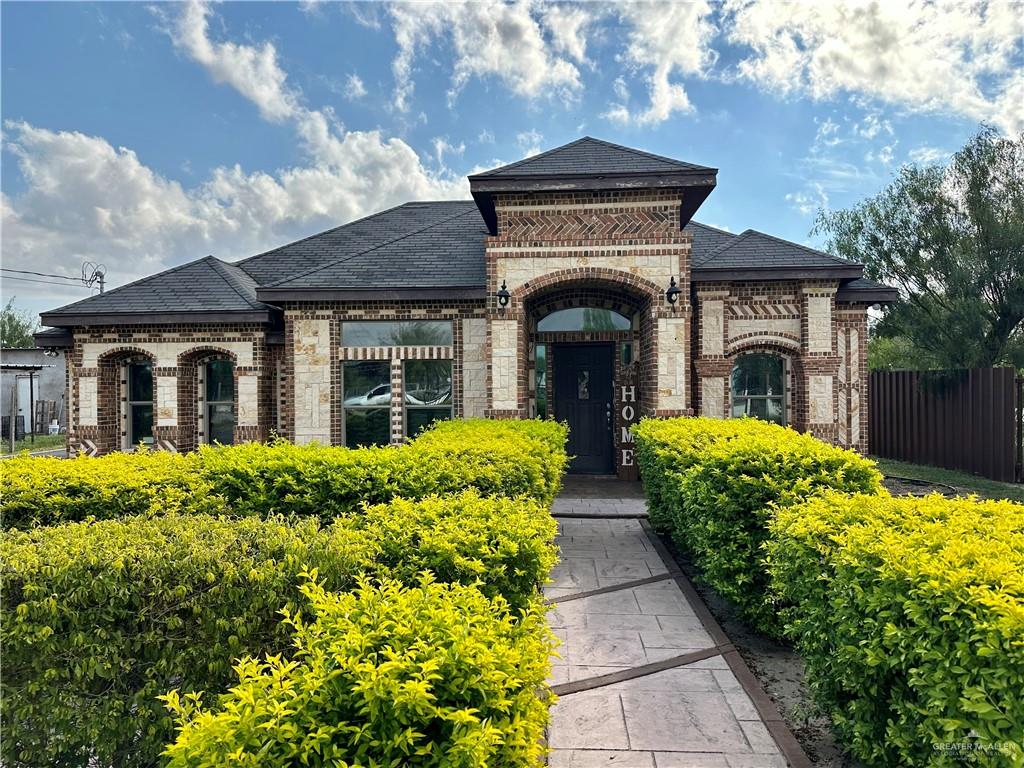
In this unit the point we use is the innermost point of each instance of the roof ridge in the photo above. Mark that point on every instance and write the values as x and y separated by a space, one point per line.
644 153
519 162
702 225
133 282
366 250
222 269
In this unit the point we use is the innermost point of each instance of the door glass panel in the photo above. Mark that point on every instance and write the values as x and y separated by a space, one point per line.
367 426
388 333
220 381
221 421
542 380
583 385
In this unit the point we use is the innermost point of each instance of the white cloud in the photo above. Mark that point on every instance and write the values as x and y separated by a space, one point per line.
665 40
529 142
925 155
621 89
489 39
808 201
960 56
871 126
354 88
883 154
485 137
567 25
444 147
86 199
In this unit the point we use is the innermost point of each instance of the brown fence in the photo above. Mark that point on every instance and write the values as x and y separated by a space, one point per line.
968 420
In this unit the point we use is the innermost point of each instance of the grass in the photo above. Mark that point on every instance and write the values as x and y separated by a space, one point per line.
991 489
42 443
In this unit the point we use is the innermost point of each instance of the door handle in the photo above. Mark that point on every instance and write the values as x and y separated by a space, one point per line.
608 414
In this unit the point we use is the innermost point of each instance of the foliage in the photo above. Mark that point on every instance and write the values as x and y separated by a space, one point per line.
716 485
909 613
962 481
952 240
501 458
100 617
431 675
897 353
17 327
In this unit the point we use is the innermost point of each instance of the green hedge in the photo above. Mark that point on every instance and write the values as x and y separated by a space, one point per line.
714 485
506 458
100 617
909 614
432 675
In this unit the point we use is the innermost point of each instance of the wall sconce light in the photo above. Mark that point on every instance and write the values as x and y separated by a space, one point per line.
672 294
503 296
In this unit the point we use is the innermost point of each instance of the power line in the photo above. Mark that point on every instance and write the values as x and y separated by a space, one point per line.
34 280
40 274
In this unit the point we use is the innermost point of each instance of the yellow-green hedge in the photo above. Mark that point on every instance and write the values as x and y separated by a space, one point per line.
909 613
100 617
432 675
715 484
501 458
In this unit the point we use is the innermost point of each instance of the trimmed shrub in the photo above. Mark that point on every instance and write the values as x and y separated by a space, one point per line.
500 458
43 490
433 675
717 484
98 618
909 613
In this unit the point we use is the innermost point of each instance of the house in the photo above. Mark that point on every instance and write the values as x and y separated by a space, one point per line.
574 284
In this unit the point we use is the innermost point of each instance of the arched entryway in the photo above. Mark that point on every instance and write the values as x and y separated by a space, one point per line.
207 398
126 401
590 344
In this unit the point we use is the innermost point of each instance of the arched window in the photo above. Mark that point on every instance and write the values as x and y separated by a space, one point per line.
219 401
584 319
758 387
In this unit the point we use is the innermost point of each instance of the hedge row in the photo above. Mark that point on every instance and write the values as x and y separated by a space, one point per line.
101 617
512 458
447 677
713 485
909 614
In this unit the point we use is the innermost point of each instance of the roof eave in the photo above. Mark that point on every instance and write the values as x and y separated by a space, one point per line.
48 339
371 294
732 274
73 320
881 295
483 188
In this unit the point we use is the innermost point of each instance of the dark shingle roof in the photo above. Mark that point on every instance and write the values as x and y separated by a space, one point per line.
433 244
866 291
707 239
756 250
591 157
205 285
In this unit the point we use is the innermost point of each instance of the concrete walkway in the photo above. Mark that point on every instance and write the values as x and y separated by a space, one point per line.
646 678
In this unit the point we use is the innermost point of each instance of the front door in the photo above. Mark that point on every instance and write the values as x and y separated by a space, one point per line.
583 399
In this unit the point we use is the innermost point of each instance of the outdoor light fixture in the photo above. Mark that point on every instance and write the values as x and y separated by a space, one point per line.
672 294
503 295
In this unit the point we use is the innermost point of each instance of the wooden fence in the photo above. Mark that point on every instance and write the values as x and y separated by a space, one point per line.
969 420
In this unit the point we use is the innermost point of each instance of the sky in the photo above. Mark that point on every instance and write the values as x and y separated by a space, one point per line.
142 136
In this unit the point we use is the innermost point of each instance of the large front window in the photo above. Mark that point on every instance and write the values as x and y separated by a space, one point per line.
428 393
140 404
367 393
758 387
220 402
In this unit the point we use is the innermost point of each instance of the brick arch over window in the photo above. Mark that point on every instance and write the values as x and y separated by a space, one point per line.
191 429
600 287
110 432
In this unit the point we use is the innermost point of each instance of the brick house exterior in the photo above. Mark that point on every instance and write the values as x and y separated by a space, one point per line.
585 255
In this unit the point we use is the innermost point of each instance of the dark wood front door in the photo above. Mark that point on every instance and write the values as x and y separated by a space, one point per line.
583 399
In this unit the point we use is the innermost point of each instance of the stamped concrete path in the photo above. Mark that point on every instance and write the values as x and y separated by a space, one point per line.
645 676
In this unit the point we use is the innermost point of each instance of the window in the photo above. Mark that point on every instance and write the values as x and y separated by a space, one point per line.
428 393
584 319
367 402
758 387
220 402
388 333
140 404
541 377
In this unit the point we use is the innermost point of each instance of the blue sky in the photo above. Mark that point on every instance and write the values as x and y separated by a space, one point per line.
145 136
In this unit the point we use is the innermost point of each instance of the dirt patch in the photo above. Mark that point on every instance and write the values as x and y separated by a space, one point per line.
905 486
780 670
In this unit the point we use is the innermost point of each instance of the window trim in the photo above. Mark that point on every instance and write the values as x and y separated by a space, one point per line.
205 422
130 444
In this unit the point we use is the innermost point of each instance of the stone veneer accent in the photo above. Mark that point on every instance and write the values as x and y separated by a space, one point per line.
311 369
474 367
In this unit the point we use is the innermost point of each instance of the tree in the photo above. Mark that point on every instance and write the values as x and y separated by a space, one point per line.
951 239
16 327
